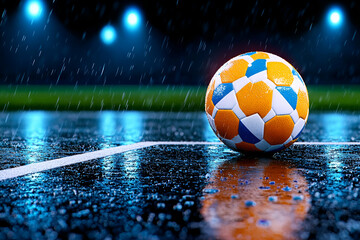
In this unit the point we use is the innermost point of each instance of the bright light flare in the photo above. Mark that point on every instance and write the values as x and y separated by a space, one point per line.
108 34
34 9
335 17
132 19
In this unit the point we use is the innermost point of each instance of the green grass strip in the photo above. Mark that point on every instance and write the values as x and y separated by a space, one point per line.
148 98
334 98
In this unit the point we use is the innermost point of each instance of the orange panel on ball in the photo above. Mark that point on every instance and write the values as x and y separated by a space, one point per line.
260 55
247 147
236 70
278 129
279 73
227 124
209 105
255 98
302 106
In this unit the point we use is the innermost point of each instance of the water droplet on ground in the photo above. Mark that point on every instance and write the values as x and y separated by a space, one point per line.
263 223
287 189
273 199
298 197
210 190
250 203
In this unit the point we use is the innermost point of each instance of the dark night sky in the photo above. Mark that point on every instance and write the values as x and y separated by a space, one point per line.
178 42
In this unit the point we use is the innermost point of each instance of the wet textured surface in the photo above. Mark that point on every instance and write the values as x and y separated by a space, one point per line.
167 192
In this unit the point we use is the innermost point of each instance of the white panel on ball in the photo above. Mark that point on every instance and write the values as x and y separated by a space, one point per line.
280 105
211 121
260 76
296 84
295 116
214 112
299 125
270 83
238 112
249 59
217 80
229 143
240 83
269 116
262 145
227 102
237 139
255 125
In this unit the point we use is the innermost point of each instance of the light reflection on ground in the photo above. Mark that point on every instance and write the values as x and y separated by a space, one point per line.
256 199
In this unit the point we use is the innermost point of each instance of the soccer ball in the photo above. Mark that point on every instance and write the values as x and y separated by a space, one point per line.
257 101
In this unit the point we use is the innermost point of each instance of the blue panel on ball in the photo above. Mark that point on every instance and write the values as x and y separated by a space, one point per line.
246 135
295 73
289 94
249 53
257 66
221 91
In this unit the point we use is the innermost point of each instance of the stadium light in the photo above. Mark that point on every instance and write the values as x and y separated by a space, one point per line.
335 17
108 34
34 9
132 19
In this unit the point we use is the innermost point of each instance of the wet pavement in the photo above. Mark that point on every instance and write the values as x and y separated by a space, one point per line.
175 192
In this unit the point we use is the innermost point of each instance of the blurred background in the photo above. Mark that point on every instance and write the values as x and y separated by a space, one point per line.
171 43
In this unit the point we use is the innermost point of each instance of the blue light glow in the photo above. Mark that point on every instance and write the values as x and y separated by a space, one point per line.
335 17
35 126
108 34
132 19
33 9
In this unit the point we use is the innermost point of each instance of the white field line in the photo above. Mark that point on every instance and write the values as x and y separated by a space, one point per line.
84 157
65 161
220 143
327 143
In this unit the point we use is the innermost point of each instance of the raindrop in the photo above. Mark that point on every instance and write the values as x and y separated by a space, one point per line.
177 207
210 190
188 203
160 205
